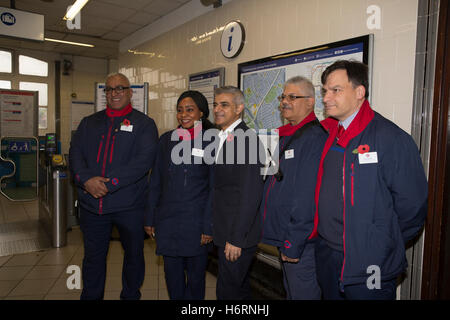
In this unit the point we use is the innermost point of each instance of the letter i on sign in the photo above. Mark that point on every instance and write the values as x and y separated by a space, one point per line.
230 39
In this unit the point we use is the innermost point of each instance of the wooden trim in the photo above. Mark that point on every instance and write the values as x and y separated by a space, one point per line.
434 250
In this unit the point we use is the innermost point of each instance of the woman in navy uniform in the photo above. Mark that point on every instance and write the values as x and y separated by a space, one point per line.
179 210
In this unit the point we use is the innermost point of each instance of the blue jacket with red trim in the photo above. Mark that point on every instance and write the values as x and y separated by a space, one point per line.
104 146
288 208
180 197
385 200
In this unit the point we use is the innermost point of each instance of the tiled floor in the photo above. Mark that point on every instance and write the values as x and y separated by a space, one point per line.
43 275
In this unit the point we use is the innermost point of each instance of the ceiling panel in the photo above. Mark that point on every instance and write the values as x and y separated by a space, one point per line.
103 23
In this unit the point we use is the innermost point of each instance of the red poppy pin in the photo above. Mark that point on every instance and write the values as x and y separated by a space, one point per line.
230 137
364 148
126 123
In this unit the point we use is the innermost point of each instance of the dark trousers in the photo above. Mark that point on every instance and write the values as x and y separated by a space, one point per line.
185 277
233 281
96 236
329 265
300 281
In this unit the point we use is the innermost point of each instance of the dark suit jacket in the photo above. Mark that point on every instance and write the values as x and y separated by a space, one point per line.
238 191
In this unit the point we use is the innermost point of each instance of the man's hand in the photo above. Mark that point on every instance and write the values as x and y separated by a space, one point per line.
96 186
205 239
150 231
232 253
285 258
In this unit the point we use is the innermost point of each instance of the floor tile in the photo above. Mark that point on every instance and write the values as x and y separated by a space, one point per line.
32 287
14 273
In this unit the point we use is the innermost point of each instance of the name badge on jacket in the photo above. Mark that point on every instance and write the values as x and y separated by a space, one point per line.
197 152
127 128
368 157
289 154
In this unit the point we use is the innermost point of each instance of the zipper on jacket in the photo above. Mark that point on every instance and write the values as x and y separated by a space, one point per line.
353 174
112 148
185 177
341 285
100 148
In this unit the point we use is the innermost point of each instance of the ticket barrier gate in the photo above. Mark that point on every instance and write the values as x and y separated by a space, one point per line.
53 188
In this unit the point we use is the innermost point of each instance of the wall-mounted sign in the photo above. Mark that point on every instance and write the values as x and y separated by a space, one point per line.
232 40
21 24
139 100
205 82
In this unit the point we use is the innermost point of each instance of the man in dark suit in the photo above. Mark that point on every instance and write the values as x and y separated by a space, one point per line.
237 195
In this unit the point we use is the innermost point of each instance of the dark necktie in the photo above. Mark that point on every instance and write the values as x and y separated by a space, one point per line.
341 131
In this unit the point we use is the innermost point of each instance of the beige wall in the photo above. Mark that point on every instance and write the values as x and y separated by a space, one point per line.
274 27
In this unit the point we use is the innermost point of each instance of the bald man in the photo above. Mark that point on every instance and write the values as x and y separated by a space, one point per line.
110 156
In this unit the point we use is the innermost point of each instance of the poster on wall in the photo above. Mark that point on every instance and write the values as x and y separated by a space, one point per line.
18 113
205 82
262 80
43 118
79 110
139 100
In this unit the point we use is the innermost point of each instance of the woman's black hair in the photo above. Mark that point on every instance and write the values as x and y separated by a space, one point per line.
201 103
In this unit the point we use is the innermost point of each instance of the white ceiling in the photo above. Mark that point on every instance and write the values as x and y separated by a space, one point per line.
103 23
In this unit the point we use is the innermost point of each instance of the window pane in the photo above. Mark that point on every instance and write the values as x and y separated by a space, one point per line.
5 61
32 66
35 86
4 84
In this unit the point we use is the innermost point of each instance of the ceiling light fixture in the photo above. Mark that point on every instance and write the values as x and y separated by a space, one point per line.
73 11
70 42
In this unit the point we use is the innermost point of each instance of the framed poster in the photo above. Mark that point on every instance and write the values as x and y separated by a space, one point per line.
205 82
262 80
139 100
79 110
18 113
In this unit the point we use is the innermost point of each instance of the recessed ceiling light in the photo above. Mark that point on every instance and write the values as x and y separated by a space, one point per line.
70 42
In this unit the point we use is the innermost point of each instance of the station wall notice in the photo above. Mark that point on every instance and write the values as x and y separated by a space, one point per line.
80 109
18 113
205 82
139 100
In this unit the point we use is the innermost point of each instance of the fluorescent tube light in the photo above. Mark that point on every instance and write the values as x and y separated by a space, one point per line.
70 42
73 11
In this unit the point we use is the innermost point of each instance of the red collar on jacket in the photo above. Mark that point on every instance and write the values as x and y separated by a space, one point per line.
289 130
362 119
193 132
118 113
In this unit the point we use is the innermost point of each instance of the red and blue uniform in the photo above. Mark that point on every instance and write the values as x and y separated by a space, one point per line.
180 209
288 208
384 201
119 145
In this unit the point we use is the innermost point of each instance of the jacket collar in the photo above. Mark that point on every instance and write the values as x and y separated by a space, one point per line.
289 130
362 119
118 113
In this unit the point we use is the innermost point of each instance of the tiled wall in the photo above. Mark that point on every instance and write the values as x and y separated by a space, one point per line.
274 27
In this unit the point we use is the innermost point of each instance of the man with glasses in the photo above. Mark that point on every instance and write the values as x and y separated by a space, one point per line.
110 156
371 192
287 208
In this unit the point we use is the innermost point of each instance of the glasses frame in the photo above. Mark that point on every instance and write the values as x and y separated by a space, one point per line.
291 97
117 90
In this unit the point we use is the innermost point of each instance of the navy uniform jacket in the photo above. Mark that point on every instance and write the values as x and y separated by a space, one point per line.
179 202
385 200
288 205
100 147
237 195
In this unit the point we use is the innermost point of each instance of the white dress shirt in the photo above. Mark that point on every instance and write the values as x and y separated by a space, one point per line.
223 134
